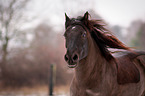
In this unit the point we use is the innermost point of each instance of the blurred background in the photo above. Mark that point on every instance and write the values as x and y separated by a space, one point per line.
31 39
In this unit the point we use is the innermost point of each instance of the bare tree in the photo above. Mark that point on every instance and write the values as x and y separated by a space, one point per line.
11 14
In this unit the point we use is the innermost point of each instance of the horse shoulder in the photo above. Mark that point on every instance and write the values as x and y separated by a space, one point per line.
127 71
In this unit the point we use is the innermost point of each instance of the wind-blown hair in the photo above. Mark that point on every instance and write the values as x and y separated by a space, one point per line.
102 36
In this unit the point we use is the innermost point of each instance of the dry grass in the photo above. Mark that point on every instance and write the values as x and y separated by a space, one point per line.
34 91
62 90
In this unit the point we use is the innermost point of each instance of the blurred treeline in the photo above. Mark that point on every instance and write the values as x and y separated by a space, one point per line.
26 54
133 36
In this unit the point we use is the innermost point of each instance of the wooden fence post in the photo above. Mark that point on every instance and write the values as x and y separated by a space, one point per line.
52 79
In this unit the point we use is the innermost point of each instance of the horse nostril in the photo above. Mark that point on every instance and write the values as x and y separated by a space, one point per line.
75 57
66 58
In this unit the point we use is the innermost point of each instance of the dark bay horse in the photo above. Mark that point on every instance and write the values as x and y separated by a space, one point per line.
98 71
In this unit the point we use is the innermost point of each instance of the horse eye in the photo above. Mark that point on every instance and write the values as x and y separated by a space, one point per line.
84 34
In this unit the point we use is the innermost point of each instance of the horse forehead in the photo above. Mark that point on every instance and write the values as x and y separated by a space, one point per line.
74 30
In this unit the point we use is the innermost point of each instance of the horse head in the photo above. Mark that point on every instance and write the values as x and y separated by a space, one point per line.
76 40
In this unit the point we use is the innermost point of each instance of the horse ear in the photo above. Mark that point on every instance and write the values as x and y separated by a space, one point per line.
67 20
86 15
85 18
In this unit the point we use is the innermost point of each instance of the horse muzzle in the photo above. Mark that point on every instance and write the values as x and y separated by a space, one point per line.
72 60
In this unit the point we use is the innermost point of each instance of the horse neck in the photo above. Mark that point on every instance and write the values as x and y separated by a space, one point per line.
90 68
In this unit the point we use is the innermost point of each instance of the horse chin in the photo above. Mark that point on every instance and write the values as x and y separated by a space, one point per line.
72 65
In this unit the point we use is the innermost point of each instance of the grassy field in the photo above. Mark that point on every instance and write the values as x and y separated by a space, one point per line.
34 91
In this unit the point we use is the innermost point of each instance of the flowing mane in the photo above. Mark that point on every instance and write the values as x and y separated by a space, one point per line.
103 37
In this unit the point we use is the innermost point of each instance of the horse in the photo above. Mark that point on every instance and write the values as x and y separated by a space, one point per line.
103 65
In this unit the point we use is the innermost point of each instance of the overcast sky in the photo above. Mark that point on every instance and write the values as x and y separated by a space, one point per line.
115 12
121 12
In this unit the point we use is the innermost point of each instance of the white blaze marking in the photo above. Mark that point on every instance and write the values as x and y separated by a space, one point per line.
73 27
